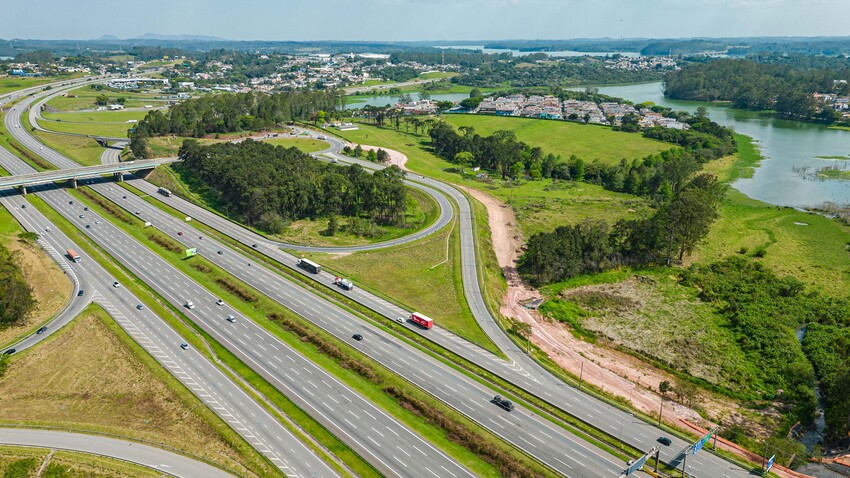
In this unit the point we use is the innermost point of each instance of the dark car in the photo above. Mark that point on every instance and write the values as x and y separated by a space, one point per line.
88 226
9 352
140 307
665 441
86 208
179 233
41 330
506 404
80 293
70 202
123 197
220 252
253 245
357 337
23 206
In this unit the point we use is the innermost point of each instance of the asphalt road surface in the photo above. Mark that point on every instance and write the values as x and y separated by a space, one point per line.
167 462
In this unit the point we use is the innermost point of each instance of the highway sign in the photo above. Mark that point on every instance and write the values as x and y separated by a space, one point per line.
770 463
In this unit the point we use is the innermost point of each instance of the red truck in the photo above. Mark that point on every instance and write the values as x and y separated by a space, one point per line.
420 319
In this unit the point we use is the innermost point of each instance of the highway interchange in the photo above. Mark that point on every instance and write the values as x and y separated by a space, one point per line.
548 443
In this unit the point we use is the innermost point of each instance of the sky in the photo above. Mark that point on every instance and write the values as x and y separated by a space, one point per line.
410 20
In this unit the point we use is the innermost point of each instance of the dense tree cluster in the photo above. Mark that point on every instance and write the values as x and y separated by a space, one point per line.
230 113
828 348
563 72
781 87
673 231
398 73
16 300
764 311
267 185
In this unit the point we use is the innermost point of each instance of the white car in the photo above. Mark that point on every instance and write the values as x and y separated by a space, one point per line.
231 319
184 346
116 284
189 304
401 320
219 302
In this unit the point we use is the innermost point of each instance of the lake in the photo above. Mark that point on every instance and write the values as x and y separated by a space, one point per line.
788 147
559 53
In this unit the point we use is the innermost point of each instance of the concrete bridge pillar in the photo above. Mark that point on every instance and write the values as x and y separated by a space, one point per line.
73 183
119 176
23 190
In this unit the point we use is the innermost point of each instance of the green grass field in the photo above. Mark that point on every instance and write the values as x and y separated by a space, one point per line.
438 74
304 144
13 83
85 151
588 142
84 99
102 123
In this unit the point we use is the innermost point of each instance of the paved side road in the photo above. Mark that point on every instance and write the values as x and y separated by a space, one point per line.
167 462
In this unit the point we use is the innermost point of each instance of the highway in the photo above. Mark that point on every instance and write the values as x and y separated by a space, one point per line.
521 370
382 440
215 389
166 462
523 428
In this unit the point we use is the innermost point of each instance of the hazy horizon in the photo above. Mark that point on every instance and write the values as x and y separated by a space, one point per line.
429 20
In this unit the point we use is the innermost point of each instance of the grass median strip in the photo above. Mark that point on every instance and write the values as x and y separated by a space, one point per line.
264 306
572 424
295 419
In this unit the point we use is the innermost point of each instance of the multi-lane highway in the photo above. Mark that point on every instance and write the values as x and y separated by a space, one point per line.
389 445
521 370
161 341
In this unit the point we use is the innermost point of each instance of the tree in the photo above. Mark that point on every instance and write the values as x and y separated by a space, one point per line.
424 95
665 387
444 106
475 93
29 237
321 116
358 151
464 159
382 156
333 225
101 100
404 98
702 112
372 155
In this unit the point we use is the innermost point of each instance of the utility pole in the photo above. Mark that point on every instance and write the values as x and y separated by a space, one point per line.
660 412
580 375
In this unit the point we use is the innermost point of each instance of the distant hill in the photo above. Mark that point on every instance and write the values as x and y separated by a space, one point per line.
157 36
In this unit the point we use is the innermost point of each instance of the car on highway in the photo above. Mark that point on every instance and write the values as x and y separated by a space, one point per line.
140 307
116 284
506 404
184 346
401 320
138 212
41 331
179 233
231 319
9 352
97 221
82 216
219 302
86 208
357 337
220 252
70 202
80 293
665 441
123 197
190 304
88 226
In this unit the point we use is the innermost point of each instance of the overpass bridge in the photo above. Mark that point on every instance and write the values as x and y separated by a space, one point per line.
22 181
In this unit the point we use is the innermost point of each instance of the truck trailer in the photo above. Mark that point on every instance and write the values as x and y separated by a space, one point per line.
344 283
72 254
422 320
309 265
164 192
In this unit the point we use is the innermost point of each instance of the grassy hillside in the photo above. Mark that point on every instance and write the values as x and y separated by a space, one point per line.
589 142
